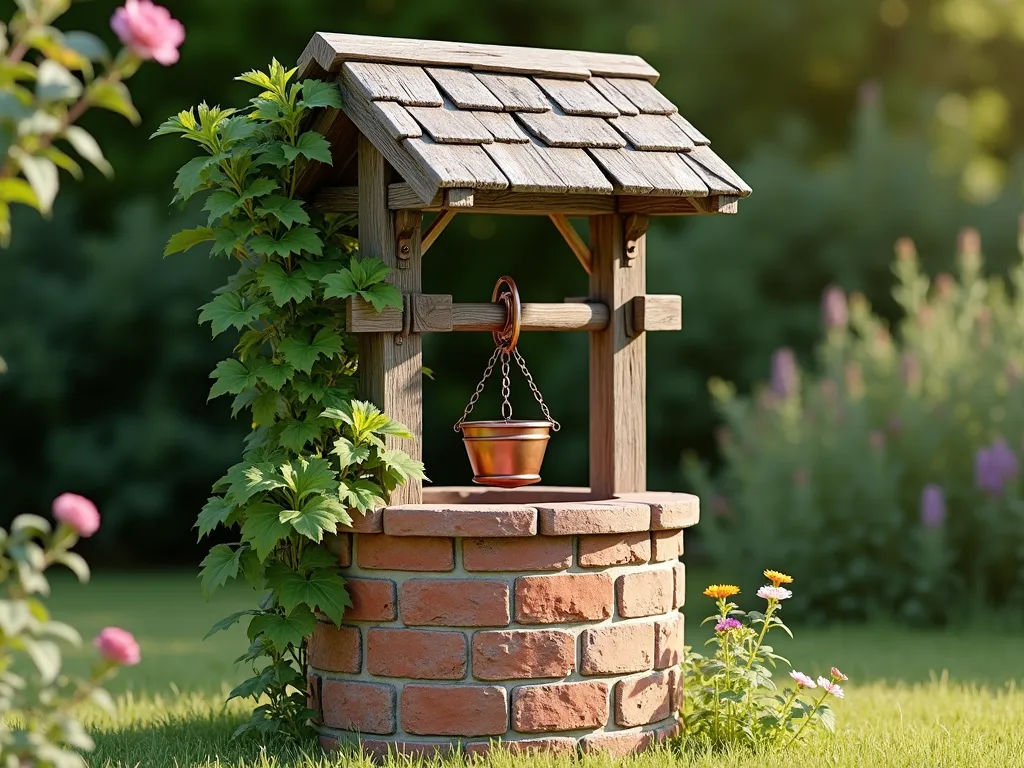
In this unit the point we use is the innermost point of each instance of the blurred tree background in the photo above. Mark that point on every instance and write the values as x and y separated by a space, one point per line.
855 123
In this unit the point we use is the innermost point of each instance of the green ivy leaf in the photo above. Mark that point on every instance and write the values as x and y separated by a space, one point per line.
314 558
367 272
274 375
284 287
215 513
318 515
296 434
295 240
317 93
194 175
323 590
284 209
114 96
283 631
302 354
227 622
310 145
187 238
231 378
382 295
231 235
263 528
229 311
265 408
220 204
350 454
364 495
307 388
245 480
255 686
402 464
305 476
219 566
339 285
259 187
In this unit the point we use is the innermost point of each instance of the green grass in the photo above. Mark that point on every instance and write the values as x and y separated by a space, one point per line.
915 698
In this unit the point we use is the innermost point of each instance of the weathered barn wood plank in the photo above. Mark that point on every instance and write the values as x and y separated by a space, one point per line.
696 136
572 130
448 125
653 133
396 119
409 86
516 93
503 127
464 89
614 95
455 165
648 99
577 98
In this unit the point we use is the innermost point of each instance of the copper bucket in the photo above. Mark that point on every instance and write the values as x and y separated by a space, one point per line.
506 453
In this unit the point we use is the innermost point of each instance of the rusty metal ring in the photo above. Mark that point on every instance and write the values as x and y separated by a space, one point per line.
507 338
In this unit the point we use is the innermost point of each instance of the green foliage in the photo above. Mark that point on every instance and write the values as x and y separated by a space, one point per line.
731 698
44 730
848 474
293 371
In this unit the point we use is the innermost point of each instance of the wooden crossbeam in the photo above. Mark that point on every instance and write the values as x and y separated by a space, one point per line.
572 238
437 226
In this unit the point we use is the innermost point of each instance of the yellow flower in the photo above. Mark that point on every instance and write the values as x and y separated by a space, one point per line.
777 578
721 591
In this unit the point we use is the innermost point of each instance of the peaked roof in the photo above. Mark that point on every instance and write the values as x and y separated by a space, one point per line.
458 115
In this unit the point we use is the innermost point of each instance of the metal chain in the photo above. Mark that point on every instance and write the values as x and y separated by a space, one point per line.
506 406
555 426
479 388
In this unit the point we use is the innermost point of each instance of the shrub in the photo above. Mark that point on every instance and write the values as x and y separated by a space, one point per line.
888 479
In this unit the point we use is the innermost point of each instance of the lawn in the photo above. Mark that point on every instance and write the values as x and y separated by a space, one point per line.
915 699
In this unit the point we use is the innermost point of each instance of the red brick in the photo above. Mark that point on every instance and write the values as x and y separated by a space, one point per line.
395 553
615 549
372 600
679 586
553 745
454 710
617 649
616 743
371 522
459 520
519 654
666 545
576 518
642 700
559 707
455 603
415 653
538 553
335 649
675 681
362 707
668 641
563 597
329 743
668 510
380 750
647 593
313 684
340 545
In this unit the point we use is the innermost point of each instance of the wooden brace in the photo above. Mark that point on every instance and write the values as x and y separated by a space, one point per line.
635 228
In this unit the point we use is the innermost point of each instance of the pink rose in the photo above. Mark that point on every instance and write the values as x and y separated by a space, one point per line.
78 512
118 646
149 30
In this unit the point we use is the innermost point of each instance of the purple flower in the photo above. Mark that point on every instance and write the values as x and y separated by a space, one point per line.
933 506
994 468
785 376
833 308
727 625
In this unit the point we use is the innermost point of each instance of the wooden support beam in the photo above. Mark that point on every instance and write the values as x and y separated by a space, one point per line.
572 238
459 198
437 226
390 365
635 226
618 366
654 313
436 313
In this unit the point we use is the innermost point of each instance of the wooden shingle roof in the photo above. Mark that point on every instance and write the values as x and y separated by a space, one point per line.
482 117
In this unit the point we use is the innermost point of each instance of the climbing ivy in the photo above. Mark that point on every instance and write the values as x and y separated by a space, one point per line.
314 454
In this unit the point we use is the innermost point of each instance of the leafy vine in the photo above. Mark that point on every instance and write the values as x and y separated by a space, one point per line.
314 453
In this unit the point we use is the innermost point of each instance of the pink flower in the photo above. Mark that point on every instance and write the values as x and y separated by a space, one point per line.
727 625
149 30
829 687
768 592
78 512
802 680
837 675
118 645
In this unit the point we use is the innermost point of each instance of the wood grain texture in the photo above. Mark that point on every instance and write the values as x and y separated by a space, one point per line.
645 97
448 125
459 198
437 226
653 133
399 123
657 206
431 313
614 95
456 165
589 316
492 201
727 204
535 168
329 50
657 173
361 111
463 88
571 130
516 93
390 367
577 98
656 313
409 86
719 177
572 238
343 137
696 136
361 317
618 367
503 127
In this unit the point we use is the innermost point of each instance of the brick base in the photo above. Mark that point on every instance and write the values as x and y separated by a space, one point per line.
536 619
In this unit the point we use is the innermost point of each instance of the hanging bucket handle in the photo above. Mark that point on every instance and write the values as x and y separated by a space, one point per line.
506 292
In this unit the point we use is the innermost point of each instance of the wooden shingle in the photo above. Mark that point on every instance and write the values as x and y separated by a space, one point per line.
464 89
571 130
456 165
656 133
720 178
516 93
644 96
696 136
409 86
658 173
396 119
503 127
448 125
577 98
614 95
